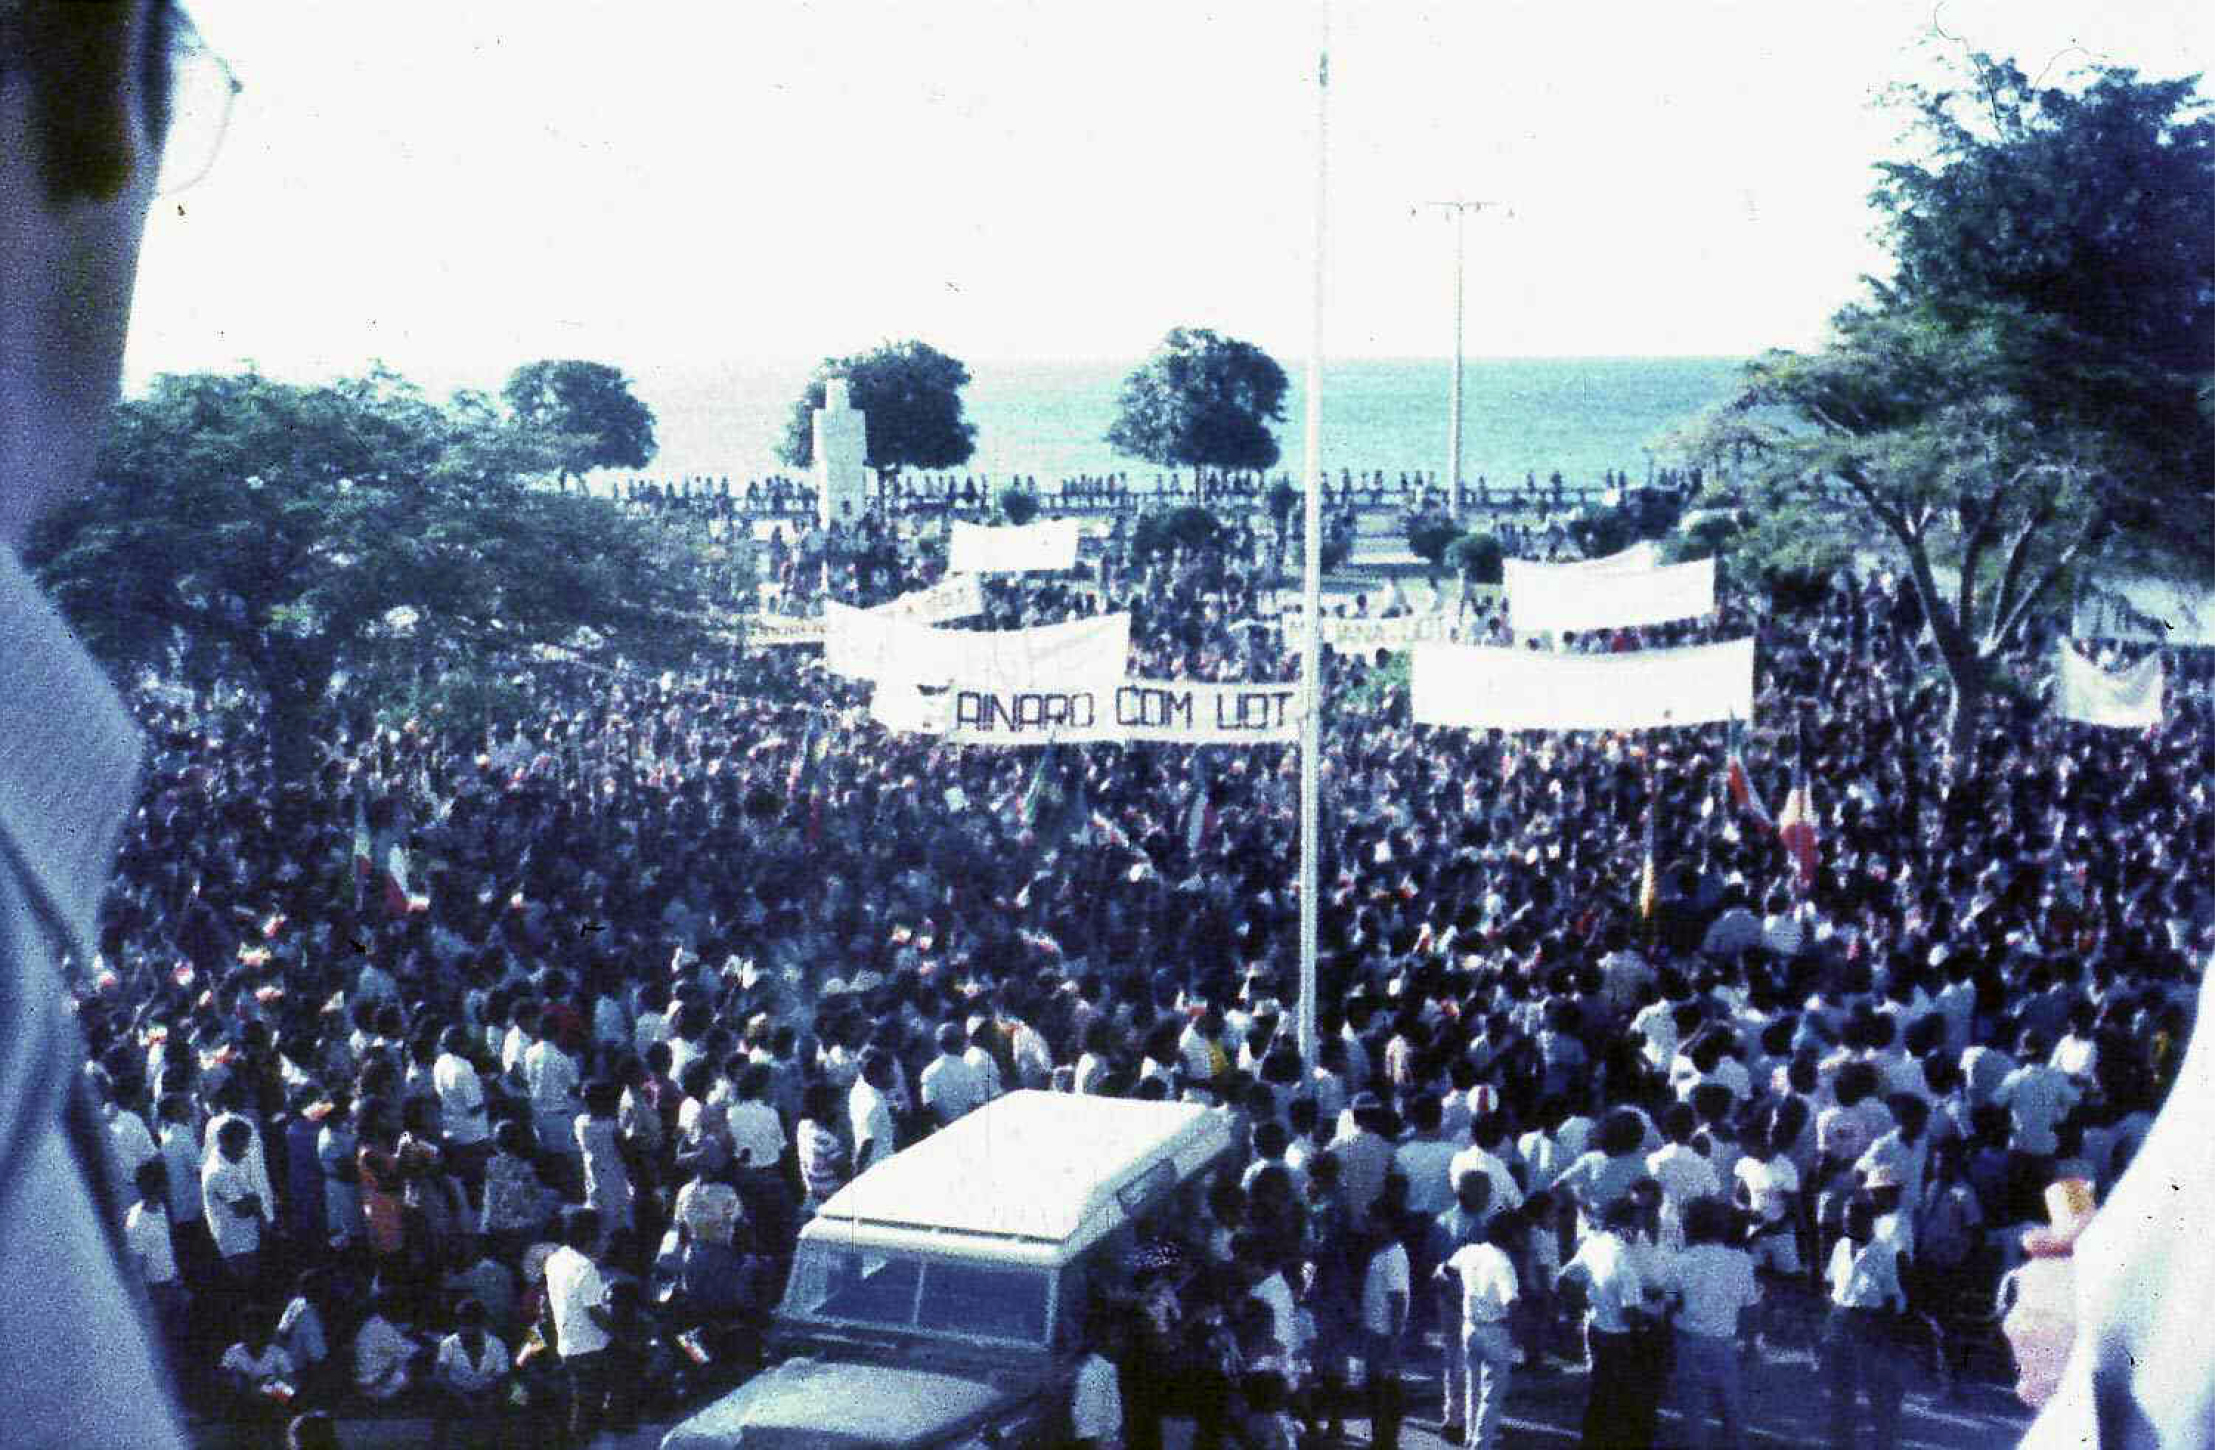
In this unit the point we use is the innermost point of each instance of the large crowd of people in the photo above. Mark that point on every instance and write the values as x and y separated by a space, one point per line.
491 1075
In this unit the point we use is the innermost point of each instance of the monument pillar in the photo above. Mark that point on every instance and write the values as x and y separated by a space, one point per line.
841 451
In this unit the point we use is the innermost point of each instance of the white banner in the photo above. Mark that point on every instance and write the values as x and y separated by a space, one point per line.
867 646
1008 549
1634 560
1554 597
1519 689
771 630
957 596
1182 712
1350 636
2130 700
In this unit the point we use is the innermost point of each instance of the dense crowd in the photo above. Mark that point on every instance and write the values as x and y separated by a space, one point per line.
521 1120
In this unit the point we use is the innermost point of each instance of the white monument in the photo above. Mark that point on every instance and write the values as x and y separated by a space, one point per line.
841 451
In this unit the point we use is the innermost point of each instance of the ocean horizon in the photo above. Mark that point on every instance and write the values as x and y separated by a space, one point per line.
1047 419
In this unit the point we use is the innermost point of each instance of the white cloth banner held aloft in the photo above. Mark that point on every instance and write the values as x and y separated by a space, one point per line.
1396 633
2130 700
1636 559
1178 712
1515 689
1556 597
867 646
1011 549
957 596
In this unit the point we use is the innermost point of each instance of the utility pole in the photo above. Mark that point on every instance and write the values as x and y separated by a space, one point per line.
1459 209
1311 573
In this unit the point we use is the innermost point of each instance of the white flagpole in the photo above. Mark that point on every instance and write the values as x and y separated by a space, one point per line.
1311 603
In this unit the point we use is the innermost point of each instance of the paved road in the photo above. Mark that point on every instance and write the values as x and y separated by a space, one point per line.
1785 1406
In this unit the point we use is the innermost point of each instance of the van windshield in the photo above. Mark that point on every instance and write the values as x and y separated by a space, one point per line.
939 1296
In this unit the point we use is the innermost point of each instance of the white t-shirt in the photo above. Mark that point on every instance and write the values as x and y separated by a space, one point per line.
1604 1265
2036 1098
223 1187
1096 1403
1716 1282
271 1363
1387 1275
1769 1185
146 1235
1488 1283
455 1368
871 1111
950 1088
573 1287
461 1101
756 1129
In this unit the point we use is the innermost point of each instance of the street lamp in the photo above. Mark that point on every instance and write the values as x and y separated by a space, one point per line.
1459 209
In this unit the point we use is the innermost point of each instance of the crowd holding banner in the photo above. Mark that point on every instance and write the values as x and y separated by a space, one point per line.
653 923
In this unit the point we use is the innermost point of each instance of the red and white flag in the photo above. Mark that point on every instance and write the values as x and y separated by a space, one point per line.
1796 827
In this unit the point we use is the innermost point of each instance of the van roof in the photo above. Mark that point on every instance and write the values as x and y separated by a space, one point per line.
1028 1165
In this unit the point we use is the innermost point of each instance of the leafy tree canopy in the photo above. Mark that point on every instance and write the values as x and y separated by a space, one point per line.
1476 556
910 393
1201 401
590 406
275 535
1188 526
2022 398
1018 505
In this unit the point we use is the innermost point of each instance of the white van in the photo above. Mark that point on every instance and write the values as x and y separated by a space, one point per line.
936 1300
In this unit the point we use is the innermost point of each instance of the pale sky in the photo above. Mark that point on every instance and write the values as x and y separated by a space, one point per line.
457 186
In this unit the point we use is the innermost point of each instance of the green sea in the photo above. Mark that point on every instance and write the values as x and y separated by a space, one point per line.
1582 416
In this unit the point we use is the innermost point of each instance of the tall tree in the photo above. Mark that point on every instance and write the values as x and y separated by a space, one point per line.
275 535
910 396
589 406
1201 401
2021 399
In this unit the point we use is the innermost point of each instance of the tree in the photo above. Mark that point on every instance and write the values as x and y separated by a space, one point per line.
1191 526
2020 399
275 535
1476 556
590 406
910 395
1201 401
1428 534
1018 505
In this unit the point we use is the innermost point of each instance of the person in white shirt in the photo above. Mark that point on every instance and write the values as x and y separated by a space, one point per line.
576 1306
756 1132
1096 1399
235 1211
1424 1158
1860 1351
980 1059
1683 1172
1603 1274
470 1370
949 1085
869 1107
1486 1137
148 1246
1489 1290
551 1078
384 1353
1713 1285
461 1101
1384 1307
257 1369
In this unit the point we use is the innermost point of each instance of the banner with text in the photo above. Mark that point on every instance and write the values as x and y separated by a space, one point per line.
772 630
1554 597
1401 631
1011 549
957 596
1514 689
2130 700
1177 712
